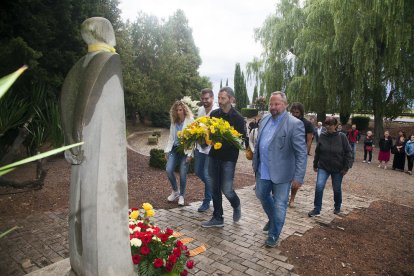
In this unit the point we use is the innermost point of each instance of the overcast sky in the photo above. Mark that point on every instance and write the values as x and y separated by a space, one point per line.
223 30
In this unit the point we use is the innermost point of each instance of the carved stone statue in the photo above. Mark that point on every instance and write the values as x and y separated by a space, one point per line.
92 104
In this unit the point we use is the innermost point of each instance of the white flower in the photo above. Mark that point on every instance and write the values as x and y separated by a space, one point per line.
155 238
190 103
136 242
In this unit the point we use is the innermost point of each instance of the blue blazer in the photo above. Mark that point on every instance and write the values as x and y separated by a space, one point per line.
288 152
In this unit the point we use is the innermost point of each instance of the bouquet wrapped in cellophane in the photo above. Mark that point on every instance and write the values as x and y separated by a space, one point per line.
209 131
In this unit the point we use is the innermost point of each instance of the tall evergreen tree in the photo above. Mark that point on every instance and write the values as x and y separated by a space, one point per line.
255 94
238 87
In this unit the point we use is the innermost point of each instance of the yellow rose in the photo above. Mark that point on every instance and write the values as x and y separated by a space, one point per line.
147 206
150 213
217 145
134 215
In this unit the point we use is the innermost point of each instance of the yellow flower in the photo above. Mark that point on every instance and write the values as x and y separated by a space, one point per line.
217 145
150 213
147 206
134 215
212 130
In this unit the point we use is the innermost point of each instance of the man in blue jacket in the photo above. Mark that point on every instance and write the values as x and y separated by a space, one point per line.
279 161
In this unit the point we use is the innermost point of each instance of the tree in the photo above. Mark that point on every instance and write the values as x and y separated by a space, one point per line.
255 94
238 88
342 56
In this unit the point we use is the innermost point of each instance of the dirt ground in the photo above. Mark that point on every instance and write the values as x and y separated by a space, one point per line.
378 240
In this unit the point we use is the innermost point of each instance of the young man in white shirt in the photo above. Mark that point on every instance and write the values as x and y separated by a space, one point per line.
201 152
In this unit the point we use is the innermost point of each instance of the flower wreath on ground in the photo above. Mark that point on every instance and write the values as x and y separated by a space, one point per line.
155 251
209 131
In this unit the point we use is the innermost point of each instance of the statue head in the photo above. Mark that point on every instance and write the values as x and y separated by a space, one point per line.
98 30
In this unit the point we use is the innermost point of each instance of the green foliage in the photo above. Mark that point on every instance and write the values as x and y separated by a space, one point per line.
341 56
361 122
240 91
160 119
157 159
249 112
161 63
344 118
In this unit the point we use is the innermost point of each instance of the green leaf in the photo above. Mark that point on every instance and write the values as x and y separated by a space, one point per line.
7 81
10 167
8 231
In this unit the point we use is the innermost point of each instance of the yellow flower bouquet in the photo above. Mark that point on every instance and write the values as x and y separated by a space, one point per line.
209 131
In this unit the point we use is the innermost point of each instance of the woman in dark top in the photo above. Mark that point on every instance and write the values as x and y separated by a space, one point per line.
333 157
385 145
399 153
368 147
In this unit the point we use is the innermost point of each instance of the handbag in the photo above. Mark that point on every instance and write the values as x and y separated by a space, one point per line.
249 154
368 148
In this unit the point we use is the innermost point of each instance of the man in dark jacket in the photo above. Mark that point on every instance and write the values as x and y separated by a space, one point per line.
222 162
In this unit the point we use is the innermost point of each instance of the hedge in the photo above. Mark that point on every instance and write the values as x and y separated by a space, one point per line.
361 122
249 112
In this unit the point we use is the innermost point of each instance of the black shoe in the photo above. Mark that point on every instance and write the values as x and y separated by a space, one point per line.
271 242
266 227
204 207
313 213
237 214
212 223
337 211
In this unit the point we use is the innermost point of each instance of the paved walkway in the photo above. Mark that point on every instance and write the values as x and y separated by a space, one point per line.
236 249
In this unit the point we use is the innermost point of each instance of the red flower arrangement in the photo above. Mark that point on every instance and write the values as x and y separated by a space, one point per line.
156 251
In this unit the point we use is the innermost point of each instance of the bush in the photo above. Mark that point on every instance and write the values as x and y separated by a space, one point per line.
160 119
361 122
249 112
157 160
344 117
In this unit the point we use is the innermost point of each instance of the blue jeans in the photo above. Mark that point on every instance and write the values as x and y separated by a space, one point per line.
222 175
274 198
201 170
175 158
353 147
320 186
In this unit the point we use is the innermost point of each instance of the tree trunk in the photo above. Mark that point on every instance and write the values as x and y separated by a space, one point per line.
378 120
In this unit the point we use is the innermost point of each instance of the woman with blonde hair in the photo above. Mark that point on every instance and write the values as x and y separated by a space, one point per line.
180 116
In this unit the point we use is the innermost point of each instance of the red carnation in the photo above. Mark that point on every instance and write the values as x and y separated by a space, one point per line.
169 231
184 273
163 238
179 243
172 259
146 239
177 252
136 259
158 263
145 250
168 267
190 264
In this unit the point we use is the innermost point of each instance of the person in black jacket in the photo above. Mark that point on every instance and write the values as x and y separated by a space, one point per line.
222 162
333 157
385 145
368 147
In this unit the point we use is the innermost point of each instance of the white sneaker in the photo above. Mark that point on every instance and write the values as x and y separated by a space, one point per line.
181 201
364 161
379 166
173 196
369 162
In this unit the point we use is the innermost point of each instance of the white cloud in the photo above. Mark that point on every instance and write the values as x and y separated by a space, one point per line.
223 30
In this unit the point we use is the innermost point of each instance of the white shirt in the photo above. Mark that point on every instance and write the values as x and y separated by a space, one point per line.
202 112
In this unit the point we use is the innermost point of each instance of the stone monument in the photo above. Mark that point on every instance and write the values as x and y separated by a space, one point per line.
92 106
